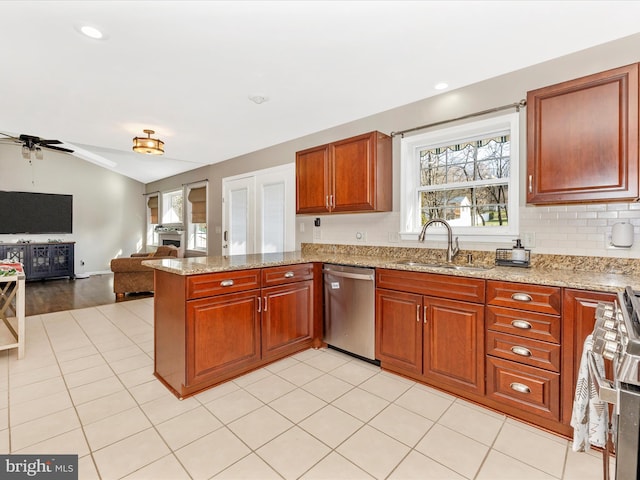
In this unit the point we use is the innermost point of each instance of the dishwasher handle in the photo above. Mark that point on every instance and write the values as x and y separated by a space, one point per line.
356 276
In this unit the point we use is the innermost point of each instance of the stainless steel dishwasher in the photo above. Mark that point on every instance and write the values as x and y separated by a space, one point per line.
349 310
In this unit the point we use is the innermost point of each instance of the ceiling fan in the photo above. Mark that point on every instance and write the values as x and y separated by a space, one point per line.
34 145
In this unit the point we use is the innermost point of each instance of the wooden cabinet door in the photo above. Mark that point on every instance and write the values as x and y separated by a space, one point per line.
287 318
582 141
454 343
353 186
222 335
579 312
399 330
313 180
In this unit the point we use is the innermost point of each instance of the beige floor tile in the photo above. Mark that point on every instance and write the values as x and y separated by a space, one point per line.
293 453
128 455
132 363
472 422
328 387
269 388
34 376
385 386
582 466
211 454
166 468
92 391
354 372
76 353
187 427
136 377
260 426
166 407
416 466
535 449
5 448
233 406
250 467
300 374
331 425
149 391
279 365
326 362
251 377
424 402
297 405
87 469
105 406
498 466
117 354
401 424
4 418
115 428
373 451
36 390
444 446
39 407
542 433
69 443
362 405
336 467
82 363
88 375
41 429
307 354
216 392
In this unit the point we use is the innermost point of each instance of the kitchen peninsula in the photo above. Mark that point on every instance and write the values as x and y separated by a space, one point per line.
219 317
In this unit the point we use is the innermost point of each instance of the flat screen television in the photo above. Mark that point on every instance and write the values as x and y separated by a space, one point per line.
28 212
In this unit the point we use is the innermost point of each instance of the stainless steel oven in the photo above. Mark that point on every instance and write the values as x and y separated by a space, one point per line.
616 338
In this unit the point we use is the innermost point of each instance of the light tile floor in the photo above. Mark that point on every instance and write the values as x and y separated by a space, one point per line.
86 387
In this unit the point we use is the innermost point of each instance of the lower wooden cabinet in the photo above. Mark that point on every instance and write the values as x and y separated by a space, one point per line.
210 328
440 341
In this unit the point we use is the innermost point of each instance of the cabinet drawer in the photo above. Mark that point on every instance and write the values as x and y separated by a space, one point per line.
286 274
206 285
524 350
534 298
527 324
432 284
527 388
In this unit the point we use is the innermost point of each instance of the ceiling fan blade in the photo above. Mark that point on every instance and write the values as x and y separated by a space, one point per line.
45 143
60 149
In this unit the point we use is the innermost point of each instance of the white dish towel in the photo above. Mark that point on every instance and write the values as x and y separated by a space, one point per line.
590 418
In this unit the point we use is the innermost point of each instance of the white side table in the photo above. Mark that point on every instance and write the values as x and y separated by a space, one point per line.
12 289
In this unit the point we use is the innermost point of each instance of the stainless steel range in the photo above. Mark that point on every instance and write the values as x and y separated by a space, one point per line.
616 337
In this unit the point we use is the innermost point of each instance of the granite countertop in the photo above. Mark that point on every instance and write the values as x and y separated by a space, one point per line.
607 278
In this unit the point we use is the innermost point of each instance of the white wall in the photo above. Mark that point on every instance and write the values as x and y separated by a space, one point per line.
108 208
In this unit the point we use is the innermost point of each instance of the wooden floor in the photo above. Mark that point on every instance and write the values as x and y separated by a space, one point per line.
46 296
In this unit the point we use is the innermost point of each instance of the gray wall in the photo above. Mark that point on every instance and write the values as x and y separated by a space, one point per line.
488 94
108 208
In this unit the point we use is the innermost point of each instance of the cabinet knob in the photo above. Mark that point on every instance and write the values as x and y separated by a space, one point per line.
522 351
289 275
522 324
226 283
520 387
521 297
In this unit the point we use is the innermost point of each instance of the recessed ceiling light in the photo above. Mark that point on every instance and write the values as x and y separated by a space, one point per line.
258 99
91 32
441 86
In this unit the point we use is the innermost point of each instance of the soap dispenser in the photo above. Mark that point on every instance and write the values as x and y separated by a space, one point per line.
518 253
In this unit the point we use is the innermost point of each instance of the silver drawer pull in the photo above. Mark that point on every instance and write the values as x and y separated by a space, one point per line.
521 297
520 387
289 275
522 351
522 324
226 283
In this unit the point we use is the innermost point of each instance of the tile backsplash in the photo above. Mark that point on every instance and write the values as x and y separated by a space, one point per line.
583 230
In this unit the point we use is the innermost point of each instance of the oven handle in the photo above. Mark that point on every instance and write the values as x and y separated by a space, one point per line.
604 387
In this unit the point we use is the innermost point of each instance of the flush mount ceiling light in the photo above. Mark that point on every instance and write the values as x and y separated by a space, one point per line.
148 145
90 31
441 86
258 99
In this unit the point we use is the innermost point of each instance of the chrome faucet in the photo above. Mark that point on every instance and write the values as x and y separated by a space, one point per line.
451 250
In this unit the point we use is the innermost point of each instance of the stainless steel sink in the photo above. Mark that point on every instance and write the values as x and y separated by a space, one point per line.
449 266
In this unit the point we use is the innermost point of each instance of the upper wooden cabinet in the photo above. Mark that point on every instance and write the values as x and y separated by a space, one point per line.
352 175
582 143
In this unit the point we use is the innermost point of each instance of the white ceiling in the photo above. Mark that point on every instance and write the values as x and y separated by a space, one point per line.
186 68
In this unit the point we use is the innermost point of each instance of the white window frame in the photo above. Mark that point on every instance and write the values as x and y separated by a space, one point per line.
189 226
410 179
164 205
152 235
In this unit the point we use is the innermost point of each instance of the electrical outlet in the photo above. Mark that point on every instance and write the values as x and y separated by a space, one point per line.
394 237
301 227
529 239
317 233
361 236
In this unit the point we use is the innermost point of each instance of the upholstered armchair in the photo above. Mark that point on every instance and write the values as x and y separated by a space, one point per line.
130 276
